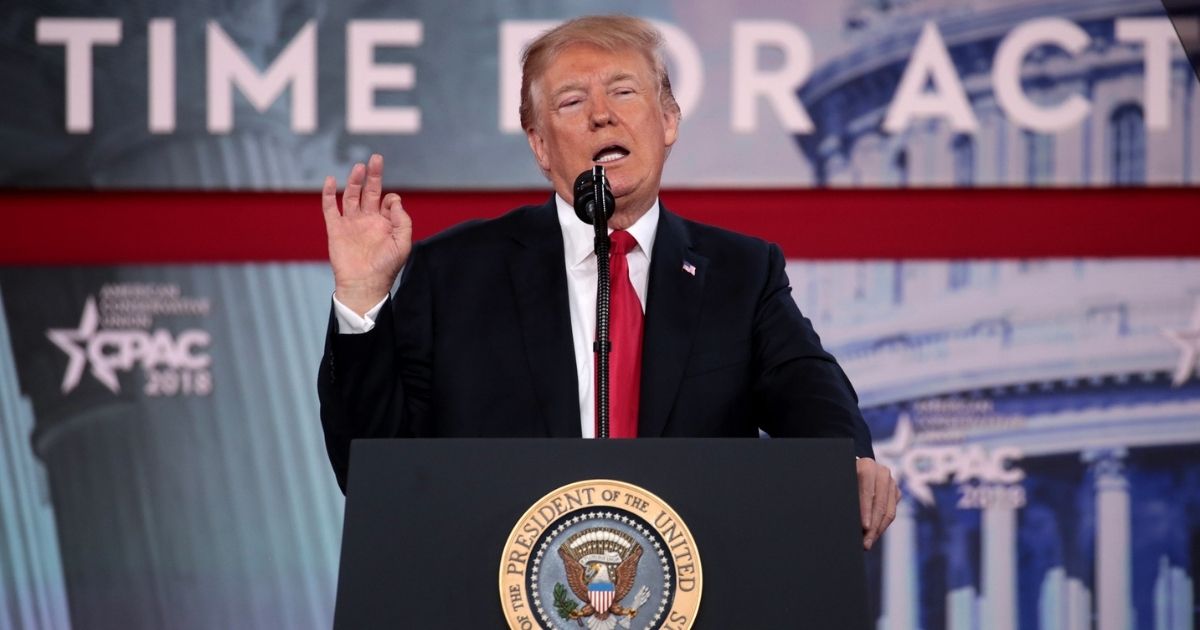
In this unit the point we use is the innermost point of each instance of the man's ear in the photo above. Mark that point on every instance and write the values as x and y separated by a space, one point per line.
670 127
537 144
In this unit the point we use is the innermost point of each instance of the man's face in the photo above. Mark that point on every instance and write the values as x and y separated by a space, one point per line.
593 106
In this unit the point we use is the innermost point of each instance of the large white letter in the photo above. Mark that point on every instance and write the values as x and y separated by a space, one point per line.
514 36
777 86
688 81
295 65
930 62
1156 35
364 76
1006 74
162 75
78 35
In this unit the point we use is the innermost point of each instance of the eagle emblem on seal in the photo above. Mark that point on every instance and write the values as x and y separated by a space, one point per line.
601 566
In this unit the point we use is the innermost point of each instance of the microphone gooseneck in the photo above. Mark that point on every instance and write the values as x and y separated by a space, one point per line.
594 204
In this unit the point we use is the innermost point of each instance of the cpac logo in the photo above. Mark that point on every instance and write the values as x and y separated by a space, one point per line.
920 466
112 351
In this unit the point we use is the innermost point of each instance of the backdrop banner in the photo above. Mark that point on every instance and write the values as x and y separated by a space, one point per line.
780 94
165 465
161 457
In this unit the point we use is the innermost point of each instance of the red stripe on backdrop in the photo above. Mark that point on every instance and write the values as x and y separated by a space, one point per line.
182 227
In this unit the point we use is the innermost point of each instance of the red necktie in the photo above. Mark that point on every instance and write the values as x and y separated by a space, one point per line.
625 361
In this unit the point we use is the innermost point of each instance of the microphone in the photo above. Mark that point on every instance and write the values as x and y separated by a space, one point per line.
594 204
587 187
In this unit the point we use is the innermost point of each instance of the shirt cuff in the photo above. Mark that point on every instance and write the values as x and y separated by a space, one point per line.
351 323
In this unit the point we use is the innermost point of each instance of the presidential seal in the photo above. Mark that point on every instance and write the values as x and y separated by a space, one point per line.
600 555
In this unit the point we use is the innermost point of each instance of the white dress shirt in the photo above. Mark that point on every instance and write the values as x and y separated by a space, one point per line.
580 261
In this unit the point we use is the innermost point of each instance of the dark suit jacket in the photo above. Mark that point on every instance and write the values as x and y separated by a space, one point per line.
477 343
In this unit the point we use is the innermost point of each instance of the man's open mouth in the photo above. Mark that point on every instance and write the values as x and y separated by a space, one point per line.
610 153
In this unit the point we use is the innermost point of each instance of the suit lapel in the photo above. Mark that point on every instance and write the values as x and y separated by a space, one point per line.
672 310
539 283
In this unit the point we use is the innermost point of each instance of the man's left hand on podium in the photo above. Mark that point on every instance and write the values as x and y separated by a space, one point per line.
877 498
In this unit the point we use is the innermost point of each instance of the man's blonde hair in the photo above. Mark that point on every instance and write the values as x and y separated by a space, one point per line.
607 32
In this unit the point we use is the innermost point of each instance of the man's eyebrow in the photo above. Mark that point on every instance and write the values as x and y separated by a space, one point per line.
568 87
578 86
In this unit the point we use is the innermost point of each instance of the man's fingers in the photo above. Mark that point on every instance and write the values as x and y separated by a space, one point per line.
866 490
353 193
401 222
329 199
883 491
889 515
393 208
390 200
875 499
373 191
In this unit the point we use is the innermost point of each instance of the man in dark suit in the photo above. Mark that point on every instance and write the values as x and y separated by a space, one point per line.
490 329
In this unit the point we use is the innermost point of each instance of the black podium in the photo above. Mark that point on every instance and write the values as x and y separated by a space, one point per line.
775 523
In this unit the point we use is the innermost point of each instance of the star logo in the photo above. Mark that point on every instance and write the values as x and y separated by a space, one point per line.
1188 340
897 445
891 453
171 364
920 466
75 343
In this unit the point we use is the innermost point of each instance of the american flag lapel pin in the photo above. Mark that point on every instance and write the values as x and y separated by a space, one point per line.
689 268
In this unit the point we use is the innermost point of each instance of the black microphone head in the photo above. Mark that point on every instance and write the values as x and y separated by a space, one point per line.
586 195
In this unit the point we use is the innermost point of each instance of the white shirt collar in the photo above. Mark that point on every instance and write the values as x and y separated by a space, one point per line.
579 237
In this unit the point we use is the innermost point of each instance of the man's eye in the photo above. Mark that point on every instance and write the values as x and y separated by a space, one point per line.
569 102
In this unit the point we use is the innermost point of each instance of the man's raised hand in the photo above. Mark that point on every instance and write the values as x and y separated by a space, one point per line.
369 239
